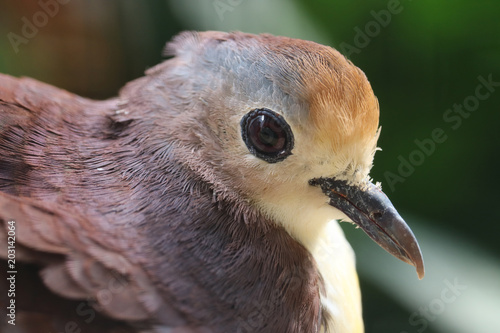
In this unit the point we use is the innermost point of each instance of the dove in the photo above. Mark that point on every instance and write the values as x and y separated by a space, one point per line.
205 197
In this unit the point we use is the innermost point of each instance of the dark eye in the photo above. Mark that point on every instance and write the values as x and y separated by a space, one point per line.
267 135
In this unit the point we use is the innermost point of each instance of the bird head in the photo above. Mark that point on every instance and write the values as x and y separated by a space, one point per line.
291 126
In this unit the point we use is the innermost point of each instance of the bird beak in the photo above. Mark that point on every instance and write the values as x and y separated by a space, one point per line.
372 211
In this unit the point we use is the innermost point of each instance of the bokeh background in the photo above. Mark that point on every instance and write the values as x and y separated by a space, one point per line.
425 59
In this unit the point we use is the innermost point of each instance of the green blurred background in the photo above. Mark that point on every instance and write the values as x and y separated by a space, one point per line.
422 57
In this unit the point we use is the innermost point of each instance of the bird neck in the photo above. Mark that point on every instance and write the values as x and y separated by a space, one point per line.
207 250
306 216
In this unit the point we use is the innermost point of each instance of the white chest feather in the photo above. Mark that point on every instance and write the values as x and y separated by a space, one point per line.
336 263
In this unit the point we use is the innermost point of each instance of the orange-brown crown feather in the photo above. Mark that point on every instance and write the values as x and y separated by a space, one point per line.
341 102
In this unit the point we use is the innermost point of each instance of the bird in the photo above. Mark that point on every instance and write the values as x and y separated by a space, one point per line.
206 197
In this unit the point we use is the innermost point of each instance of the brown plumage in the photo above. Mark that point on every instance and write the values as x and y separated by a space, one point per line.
106 195
148 211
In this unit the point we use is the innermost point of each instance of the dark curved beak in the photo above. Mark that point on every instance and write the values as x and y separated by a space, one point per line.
372 211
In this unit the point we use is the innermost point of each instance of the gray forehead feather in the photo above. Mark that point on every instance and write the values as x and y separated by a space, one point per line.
254 58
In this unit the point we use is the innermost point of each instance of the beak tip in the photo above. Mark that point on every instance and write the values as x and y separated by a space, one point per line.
418 262
420 270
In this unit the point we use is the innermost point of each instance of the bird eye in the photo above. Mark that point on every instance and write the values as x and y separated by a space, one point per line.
267 135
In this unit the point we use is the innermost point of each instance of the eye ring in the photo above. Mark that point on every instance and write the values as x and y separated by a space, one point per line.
267 135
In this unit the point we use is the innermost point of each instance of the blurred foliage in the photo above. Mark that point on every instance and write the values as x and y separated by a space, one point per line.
89 47
425 60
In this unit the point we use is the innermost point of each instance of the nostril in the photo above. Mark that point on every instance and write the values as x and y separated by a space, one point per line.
377 215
